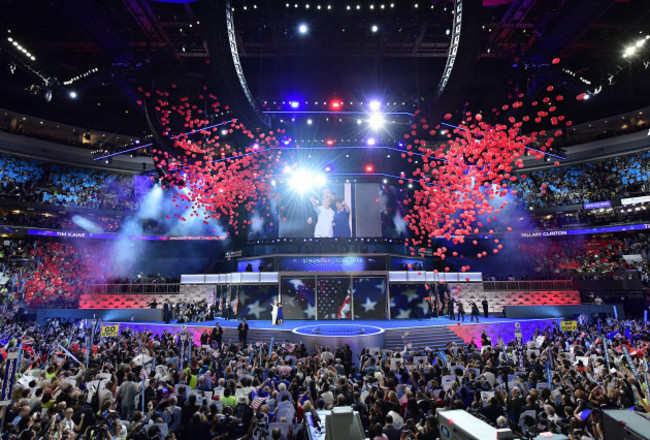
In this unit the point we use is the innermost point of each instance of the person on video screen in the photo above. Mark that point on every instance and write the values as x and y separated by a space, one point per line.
325 223
342 219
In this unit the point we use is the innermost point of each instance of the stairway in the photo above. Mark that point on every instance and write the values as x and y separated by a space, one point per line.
256 335
434 337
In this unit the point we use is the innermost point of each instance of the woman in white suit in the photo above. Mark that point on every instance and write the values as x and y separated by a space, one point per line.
274 312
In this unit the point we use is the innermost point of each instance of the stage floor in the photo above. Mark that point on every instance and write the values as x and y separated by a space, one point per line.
394 324
434 333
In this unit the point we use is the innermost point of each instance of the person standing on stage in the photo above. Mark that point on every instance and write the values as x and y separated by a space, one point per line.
166 313
342 219
474 311
325 223
451 308
243 332
461 311
274 312
433 312
484 303
227 310
280 315
217 335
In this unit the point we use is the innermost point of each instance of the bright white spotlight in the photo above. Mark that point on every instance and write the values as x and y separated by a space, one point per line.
301 181
376 121
224 132
374 105
587 96
374 28
72 94
303 28
309 121
320 180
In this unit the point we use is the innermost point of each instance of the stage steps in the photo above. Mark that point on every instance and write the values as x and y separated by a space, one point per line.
435 337
255 335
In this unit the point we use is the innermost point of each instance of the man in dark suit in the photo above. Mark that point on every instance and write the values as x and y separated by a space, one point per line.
391 432
484 303
166 313
243 332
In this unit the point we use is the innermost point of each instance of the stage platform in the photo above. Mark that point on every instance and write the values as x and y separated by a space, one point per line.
434 333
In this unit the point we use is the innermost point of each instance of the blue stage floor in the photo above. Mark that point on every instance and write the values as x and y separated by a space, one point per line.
383 323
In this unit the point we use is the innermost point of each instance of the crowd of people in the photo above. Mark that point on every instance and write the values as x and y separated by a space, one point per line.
560 257
143 386
39 182
596 181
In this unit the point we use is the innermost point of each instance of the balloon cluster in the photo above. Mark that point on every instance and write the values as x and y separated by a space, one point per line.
214 178
464 180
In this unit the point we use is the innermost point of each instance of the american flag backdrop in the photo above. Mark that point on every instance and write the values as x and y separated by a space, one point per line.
298 298
369 297
408 301
334 298
255 301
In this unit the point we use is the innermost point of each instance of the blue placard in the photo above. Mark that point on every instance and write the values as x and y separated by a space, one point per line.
596 205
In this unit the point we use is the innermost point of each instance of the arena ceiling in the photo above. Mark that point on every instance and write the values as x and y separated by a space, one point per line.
351 50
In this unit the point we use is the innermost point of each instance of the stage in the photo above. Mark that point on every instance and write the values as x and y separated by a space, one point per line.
433 333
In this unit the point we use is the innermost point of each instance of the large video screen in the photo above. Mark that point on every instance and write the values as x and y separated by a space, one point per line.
381 209
408 301
334 298
369 298
319 213
298 297
255 300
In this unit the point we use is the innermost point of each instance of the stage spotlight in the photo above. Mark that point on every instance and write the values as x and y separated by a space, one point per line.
303 29
369 168
303 180
224 132
376 121
330 142
371 141
336 105
72 94
328 169
374 105
309 122
294 104
374 28
287 170
320 180
48 95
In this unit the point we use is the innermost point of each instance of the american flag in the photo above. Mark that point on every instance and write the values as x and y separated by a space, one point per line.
221 303
334 298
235 305
257 402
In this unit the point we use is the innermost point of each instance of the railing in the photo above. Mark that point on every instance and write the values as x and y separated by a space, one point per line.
529 285
134 288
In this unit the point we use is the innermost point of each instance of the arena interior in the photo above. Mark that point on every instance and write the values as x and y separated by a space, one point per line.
392 220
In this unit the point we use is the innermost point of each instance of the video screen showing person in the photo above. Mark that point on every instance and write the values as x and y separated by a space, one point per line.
381 209
324 212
